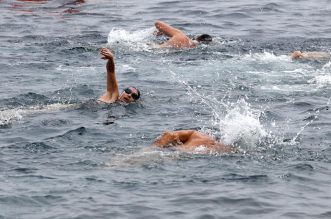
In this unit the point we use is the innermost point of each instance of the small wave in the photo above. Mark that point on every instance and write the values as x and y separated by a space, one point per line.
36 147
266 57
76 69
327 65
136 40
321 80
71 134
148 156
249 178
7 116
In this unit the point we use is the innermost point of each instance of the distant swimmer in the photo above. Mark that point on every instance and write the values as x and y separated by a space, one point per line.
178 39
310 56
190 141
112 94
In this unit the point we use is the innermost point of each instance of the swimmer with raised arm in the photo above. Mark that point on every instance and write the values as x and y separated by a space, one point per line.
112 94
178 39
310 56
189 140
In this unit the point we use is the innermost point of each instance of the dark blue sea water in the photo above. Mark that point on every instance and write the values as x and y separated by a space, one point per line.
62 155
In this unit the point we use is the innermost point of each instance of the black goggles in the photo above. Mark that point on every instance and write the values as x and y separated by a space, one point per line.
133 95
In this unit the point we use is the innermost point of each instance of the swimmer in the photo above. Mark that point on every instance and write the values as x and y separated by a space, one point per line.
112 94
177 38
190 140
310 56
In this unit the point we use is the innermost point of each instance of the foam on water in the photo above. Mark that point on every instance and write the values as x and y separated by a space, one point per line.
322 77
7 116
266 57
327 65
321 80
241 126
237 122
136 40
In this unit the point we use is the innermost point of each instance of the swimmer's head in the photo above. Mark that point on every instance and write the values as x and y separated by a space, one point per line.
296 55
129 95
204 38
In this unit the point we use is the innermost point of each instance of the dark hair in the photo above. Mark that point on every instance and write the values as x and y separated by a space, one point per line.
204 38
138 92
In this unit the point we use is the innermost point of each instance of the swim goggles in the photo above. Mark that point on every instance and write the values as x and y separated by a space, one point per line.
133 95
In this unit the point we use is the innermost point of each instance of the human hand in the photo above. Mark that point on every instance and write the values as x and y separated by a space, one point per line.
106 53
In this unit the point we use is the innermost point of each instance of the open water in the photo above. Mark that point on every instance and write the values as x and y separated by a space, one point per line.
62 155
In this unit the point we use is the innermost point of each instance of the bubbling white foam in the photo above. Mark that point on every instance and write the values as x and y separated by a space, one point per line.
135 40
237 122
327 65
266 57
241 126
7 116
321 80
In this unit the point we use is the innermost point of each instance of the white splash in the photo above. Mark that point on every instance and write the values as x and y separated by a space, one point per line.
241 126
8 116
321 80
327 65
137 40
237 122
267 57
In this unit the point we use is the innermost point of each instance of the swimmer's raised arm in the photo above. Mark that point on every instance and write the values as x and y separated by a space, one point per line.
170 138
166 29
112 93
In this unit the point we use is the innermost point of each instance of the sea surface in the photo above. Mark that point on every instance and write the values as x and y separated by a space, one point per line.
63 155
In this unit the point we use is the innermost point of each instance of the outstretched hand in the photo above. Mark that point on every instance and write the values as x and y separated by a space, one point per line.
106 54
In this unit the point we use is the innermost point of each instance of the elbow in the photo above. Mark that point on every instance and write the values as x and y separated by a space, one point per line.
157 23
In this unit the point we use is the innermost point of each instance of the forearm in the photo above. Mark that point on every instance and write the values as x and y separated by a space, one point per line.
111 77
110 66
165 28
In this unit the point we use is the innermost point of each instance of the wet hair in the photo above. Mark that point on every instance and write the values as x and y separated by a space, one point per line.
204 38
138 92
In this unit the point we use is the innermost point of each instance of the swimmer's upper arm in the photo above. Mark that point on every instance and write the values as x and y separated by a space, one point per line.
166 28
184 135
172 138
165 140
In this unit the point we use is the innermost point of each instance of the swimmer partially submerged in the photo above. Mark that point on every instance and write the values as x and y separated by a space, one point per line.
190 141
310 56
112 94
178 39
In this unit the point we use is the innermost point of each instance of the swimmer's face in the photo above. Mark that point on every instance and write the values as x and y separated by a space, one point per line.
129 95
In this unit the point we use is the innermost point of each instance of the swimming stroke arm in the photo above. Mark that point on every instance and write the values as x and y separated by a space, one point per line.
166 29
112 93
173 138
